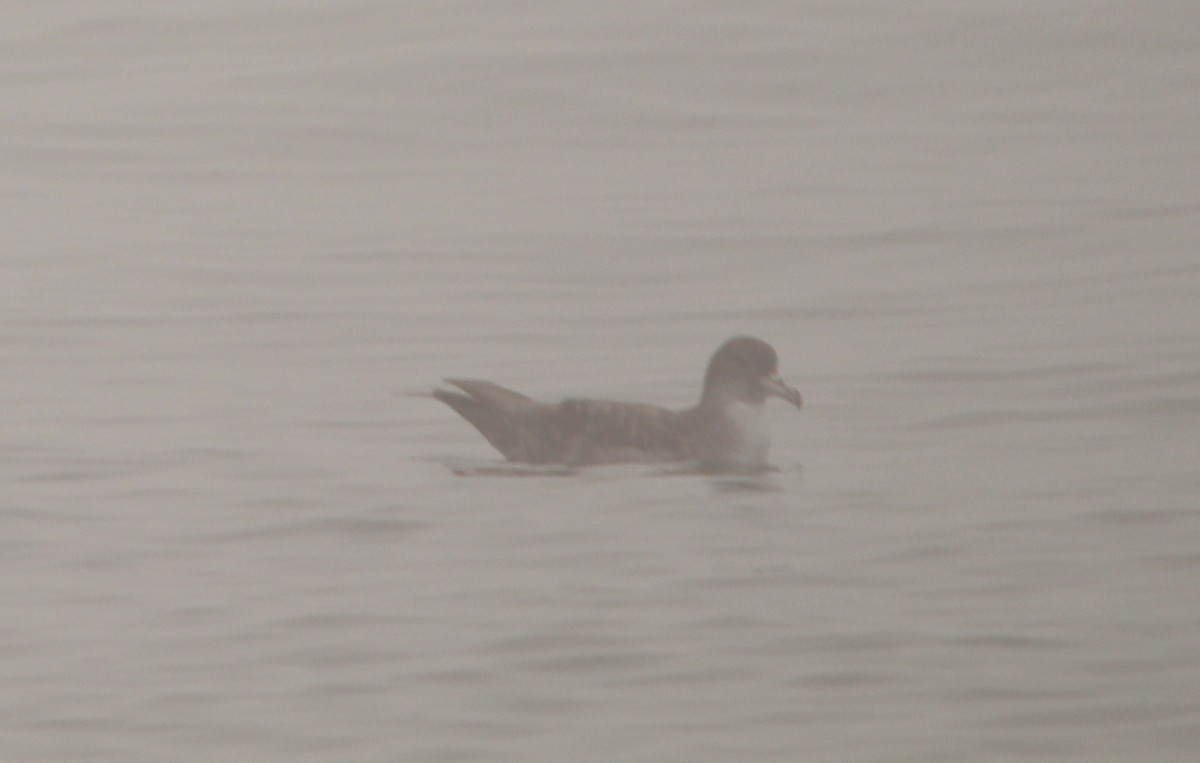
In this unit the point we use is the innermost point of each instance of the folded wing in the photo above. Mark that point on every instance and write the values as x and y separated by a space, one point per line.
606 431
575 431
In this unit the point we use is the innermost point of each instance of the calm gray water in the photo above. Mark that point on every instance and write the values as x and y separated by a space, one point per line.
235 234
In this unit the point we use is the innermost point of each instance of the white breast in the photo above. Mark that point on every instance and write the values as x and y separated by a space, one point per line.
753 439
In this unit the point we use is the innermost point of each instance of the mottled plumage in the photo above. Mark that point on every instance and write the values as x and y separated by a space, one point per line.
726 430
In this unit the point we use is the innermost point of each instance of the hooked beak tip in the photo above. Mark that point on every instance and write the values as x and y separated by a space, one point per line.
777 387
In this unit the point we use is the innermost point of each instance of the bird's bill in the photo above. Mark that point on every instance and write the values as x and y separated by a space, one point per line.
775 386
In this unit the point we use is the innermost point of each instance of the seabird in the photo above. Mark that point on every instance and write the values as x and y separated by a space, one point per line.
725 432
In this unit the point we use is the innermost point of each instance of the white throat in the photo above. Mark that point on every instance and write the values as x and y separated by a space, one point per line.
753 439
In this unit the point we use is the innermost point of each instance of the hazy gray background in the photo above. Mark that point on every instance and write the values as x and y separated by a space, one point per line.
232 232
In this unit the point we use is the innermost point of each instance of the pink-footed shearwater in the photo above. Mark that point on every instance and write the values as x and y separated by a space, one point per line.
725 431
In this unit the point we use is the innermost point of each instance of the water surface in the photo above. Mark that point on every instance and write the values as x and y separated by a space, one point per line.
235 235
